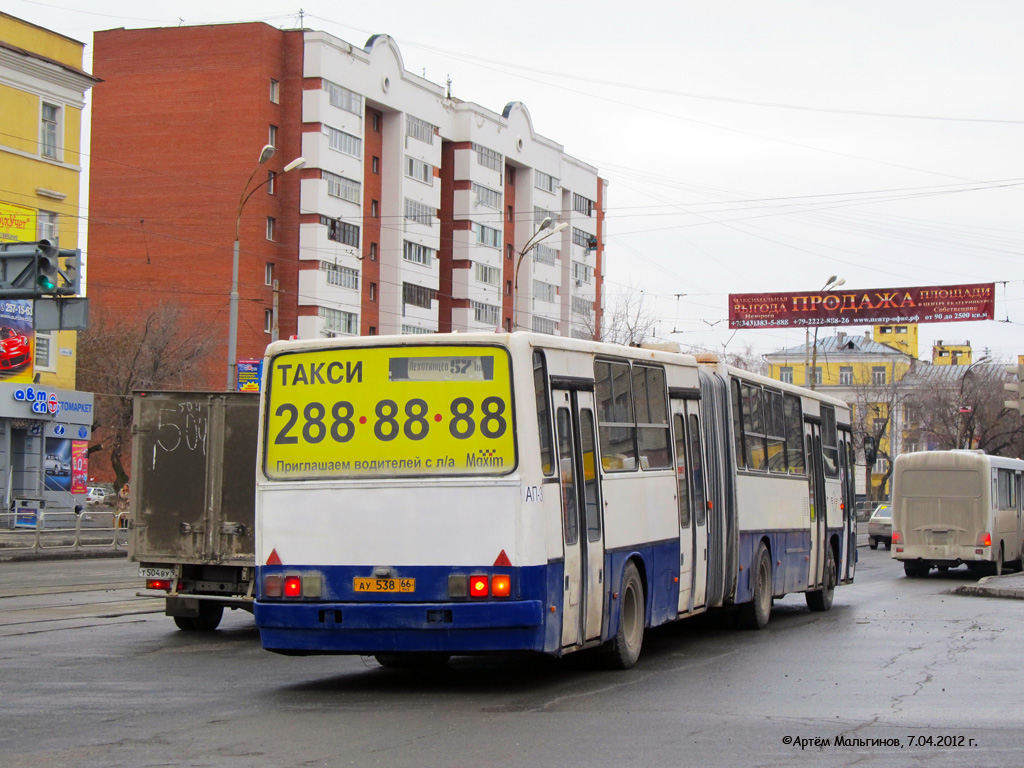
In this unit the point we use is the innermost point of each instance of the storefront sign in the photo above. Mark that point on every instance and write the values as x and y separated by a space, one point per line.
17 224
41 400
929 304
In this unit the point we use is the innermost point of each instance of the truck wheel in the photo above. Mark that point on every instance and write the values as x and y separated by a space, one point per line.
209 616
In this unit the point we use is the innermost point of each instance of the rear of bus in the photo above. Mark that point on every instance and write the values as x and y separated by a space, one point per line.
389 500
940 510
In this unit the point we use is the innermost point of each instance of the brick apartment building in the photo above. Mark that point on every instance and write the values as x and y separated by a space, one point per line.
410 214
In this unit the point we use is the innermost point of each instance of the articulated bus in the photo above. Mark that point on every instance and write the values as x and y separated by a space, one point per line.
419 497
955 507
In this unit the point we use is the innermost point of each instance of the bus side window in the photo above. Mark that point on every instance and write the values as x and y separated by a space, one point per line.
540 389
567 470
590 475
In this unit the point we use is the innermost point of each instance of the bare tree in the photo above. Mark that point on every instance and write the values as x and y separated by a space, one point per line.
158 349
966 412
632 320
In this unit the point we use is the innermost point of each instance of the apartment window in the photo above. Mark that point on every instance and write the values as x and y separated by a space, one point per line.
268 274
488 157
545 291
901 329
49 130
882 330
272 137
786 374
373 251
487 196
374 209
343 142
485 313
339 321
340 231
268 320
880 467
581 273
580 204
510 176
542 254
47 225
419 212
372 330
487 236
275 91
375 164
846 374
584 239
373 291
510 251
487 274
343 277
339 186
345 99
541 180
416 253
418 129
417 295
271 182
544 325
539 214
375 122
508 287
410 330
582 305
419 170
878 374
510 215
270 227
44 344
816 373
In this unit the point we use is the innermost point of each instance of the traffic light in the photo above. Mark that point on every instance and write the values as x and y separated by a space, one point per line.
1016 387
34 269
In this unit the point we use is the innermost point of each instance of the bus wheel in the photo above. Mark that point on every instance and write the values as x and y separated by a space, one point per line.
821 599
999 561
754 615
422 660
625 648
915 569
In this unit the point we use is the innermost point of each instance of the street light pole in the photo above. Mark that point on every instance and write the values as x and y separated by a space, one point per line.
265 154
536 239
832 282
960 431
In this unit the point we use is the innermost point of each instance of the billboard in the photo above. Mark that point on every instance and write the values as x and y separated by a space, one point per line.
17 224
17 340
922 304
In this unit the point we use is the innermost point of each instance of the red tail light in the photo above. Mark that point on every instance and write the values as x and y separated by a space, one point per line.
984 539
501 585
292 586
897 537
164 584
478 586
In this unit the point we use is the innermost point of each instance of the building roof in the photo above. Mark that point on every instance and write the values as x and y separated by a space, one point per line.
841 344
925 374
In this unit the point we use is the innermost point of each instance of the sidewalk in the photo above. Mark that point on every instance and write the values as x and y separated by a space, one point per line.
1009 586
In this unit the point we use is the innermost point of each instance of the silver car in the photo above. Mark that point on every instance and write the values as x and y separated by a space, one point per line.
880 527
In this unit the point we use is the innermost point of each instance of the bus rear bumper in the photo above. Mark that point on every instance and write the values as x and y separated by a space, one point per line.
368 628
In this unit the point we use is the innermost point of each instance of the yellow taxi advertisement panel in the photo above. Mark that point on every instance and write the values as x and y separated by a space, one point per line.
389 412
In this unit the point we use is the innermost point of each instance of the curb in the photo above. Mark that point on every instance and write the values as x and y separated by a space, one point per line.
984 589
21 557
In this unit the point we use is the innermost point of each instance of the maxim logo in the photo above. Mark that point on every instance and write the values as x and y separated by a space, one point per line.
484 458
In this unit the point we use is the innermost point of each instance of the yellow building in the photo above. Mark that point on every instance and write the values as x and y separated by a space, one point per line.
952 353
42 93
865 370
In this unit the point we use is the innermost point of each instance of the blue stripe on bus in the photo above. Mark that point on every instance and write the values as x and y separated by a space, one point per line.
790 553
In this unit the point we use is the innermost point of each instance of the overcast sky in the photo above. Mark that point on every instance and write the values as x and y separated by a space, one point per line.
749 145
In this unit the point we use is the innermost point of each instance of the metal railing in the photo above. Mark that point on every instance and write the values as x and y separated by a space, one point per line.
63 531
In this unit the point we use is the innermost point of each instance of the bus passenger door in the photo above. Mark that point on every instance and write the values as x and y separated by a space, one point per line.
846 477
816 472
582 520
698 489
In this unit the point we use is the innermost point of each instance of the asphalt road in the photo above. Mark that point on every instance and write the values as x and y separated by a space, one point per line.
92 675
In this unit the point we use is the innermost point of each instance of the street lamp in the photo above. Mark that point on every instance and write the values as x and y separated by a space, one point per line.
265 154
536 239
832 282
961 433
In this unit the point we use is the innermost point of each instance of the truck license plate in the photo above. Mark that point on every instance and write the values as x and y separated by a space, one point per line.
156 573
385 585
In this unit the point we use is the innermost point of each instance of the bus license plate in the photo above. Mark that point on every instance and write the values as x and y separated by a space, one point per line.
385 585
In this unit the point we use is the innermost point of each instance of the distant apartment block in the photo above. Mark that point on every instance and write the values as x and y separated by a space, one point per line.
410 214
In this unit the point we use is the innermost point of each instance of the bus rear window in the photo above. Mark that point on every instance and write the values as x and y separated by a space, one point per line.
950 484
389 412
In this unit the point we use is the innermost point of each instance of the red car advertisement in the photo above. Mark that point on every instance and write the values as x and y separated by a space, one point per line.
16 340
